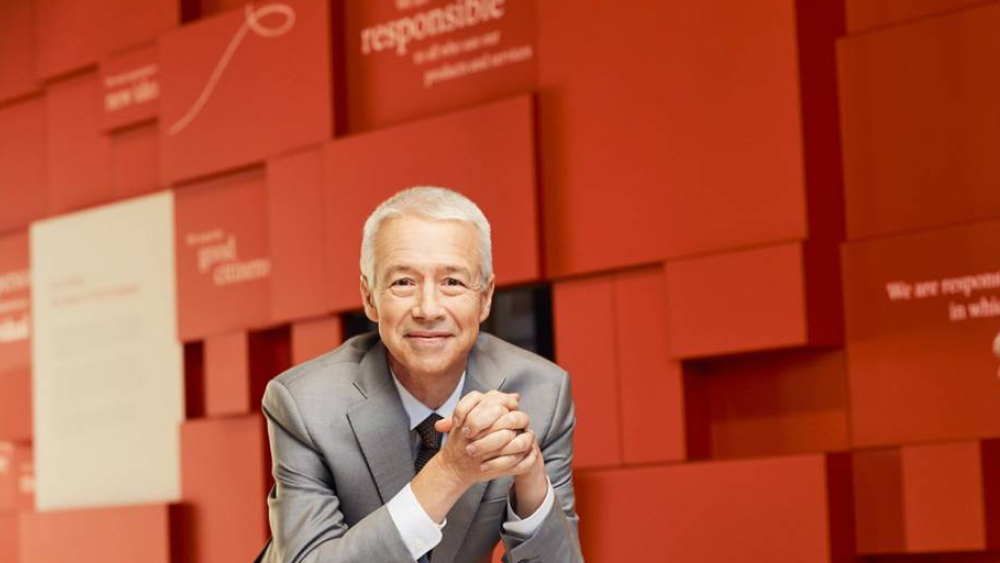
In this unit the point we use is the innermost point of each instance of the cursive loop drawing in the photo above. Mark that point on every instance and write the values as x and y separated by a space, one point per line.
251 22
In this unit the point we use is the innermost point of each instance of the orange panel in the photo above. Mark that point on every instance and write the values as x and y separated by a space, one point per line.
487 153
878 501
99 535
130 87
8 538
738 301
79 156
223 261
227 374
921 313
314 337
22 163
273 93
584 323
223 468
17 477
295 196
865 14
15 338
17 49
135 161
484 51
723 511
652 390
773 403
920 120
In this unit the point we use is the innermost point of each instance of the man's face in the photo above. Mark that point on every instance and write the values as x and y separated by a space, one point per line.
427 296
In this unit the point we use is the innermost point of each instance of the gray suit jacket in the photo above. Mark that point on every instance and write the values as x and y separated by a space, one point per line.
341 450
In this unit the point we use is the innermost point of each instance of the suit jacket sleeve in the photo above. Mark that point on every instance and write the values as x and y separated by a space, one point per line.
306 522
556 540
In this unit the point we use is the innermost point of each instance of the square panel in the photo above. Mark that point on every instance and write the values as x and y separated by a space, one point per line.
97 535
23 158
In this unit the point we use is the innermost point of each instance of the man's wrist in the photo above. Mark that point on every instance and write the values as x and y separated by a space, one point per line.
438 487
529 490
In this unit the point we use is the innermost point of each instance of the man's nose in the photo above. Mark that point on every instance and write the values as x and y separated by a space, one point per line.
428 306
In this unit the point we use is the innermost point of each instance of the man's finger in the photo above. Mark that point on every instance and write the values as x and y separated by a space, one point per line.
513 420
492 442
445 425
482 417
502 463
465 404
519 444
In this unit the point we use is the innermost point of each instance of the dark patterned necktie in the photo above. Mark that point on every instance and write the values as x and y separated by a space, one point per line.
430 441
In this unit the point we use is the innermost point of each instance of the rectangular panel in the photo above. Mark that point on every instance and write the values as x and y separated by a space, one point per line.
223 259
135 161
224 469
130 84
227 374
15 337
108 381
921 123
72 34
313 337
865 14
415 58
486 153
921 313
17 477
878 501
583 315
8 538
23 172
715 512
98 535
739 301
651 385
296 221
244 85
17 49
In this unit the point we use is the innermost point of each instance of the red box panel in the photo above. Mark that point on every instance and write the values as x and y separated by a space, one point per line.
739 301
707 512
295 216
919 360
130 84
709 154
917 125
78 154
15 338
227 374
223 262
651 384
135 161
22 163
583 313
865 14
878 501
8 538
223 483
772 403
17 49
72 34
314 337
244 85
486 152
486 52
99 535
17 477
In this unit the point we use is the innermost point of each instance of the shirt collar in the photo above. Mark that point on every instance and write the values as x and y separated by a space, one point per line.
418 411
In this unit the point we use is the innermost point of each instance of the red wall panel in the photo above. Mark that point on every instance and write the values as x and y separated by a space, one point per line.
919 362
17 49
487 153
8 538
130 87
22 163
918 125
711 512
227 374
135 161
272 93
313 337
223 262
15 338
98 535
17 477
864 14
584 321
224 487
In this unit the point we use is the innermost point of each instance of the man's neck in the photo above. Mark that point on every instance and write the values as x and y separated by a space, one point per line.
430 389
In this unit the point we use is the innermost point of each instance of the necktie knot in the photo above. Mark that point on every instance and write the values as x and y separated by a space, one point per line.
430 437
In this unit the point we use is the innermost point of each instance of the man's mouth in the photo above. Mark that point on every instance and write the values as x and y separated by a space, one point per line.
428 335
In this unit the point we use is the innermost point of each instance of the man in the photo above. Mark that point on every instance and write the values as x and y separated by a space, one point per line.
427 441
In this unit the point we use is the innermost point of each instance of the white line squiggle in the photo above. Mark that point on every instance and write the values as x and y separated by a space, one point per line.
250 23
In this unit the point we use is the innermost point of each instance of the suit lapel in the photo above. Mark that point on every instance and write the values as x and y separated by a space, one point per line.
381 426
482 374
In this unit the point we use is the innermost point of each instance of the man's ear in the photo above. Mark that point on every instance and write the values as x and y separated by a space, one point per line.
487 298
368 299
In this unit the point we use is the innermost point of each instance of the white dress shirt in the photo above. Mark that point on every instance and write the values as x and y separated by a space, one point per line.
419 532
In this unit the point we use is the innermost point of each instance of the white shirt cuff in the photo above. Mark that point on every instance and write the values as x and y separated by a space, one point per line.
419 532
525 528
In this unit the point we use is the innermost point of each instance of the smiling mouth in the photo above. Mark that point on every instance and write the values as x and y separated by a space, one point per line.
428 336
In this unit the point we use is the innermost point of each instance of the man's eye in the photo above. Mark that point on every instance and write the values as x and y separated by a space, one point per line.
403 281
453 282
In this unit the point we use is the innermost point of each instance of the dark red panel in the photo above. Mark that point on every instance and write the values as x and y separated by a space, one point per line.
918 349
17 48
651 384
918 127
714 512
709 154
313 337
15 338
17 477
864 14
295 217
485 50
135 161
72 34
22 163
487 153
223 262
223 468
738 301
98 535
271 94
130 84
78 154
227 374
878 501
584 323
773 403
